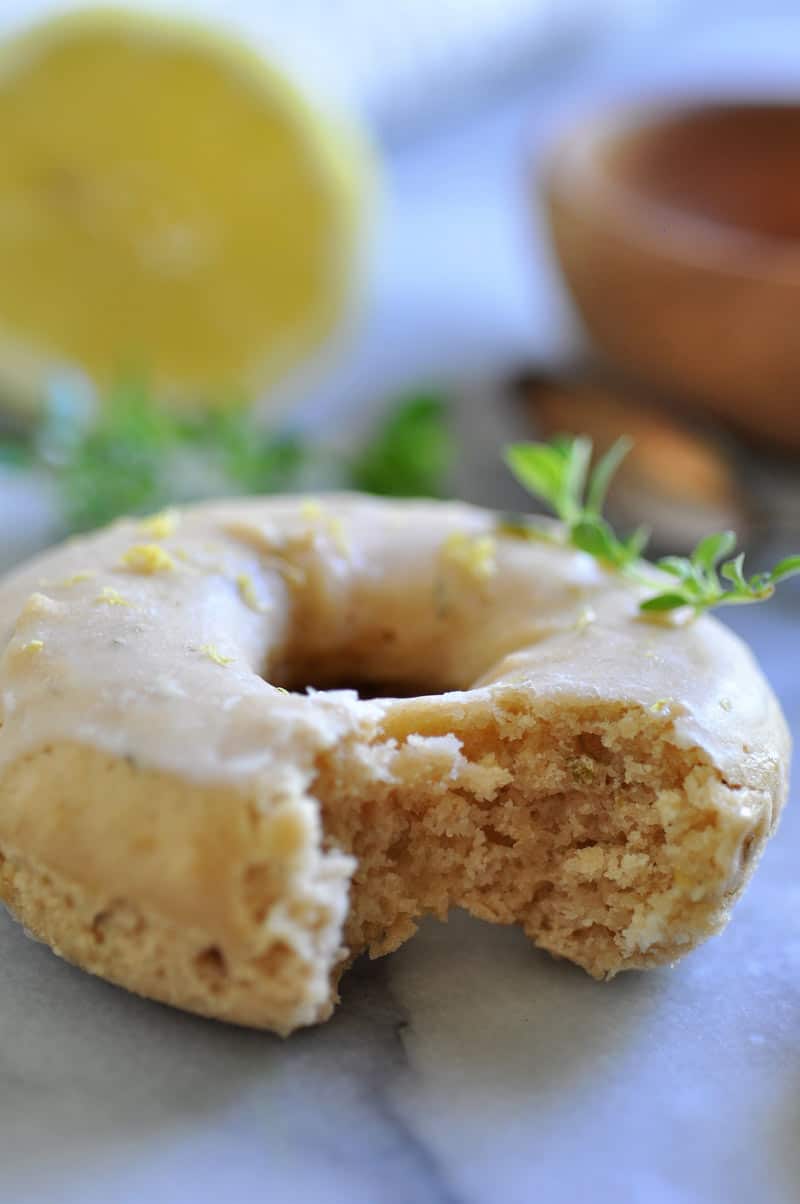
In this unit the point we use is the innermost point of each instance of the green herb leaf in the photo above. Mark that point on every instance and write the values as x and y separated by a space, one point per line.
636 543
131 455
593 535
732 571
540 469
410 453
603 473
556 474
577 456
664 601
676 565
711 550
789 567
113 466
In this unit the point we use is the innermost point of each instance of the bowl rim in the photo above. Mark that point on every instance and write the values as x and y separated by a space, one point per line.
574 167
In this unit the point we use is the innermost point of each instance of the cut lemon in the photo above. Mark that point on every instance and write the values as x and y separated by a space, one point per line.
169 204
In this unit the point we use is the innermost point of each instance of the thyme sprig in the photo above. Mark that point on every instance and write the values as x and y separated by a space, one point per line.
559 474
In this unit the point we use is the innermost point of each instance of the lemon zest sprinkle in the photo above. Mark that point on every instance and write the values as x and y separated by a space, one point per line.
160 525
148 558
76 578
65 582
111 597
726 704
586 617
32 646
331 523
215 655
338 537
473 553
247 592
661 705
38 603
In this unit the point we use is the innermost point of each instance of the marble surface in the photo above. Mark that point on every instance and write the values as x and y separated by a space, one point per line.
467 1068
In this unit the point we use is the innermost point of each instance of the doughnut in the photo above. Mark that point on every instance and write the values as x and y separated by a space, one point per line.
244 742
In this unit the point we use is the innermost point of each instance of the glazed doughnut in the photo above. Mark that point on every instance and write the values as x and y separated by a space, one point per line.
246 741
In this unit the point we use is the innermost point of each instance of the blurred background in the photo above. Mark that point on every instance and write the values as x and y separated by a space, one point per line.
384 242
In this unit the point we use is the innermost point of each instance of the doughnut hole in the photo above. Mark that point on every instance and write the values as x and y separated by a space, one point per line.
364 689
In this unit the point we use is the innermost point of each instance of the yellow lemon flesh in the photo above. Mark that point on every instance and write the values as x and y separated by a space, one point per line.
167 204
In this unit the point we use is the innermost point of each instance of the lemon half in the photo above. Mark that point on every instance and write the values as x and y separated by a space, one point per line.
169 203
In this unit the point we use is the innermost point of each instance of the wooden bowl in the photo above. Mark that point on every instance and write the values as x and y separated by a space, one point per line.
679 236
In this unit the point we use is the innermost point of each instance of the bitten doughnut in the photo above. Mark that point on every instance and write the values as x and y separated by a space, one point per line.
197 804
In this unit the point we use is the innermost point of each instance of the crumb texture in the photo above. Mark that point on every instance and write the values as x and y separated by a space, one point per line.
587 826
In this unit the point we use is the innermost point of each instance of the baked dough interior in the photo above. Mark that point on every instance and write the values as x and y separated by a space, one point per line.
584 823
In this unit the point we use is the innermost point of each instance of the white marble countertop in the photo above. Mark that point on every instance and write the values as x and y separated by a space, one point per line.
467 1068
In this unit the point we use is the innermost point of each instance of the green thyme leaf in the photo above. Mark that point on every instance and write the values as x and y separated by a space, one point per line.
540 469
676 565
732 571
594 536
556 473
636 543
131 455
115 465
665 601
789 567
603 473
577 456
712 549
409 454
